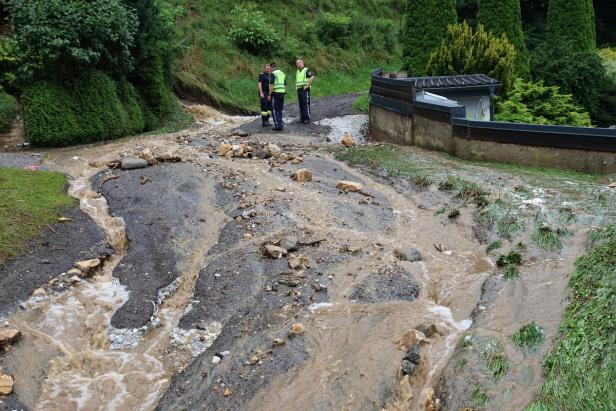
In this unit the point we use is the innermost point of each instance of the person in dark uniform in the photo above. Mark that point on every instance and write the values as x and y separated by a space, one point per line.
278 88
265 79
303 82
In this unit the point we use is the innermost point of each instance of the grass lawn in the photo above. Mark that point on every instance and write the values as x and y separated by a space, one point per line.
29 200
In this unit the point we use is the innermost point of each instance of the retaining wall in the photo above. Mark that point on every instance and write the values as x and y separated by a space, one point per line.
396 118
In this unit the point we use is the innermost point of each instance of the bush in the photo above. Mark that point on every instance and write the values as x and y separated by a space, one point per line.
571 23
534 103
91 108
59 39
468 51
425 27
504 16
8 111
158 103
251 31
334 27
581 74
361 104
373 35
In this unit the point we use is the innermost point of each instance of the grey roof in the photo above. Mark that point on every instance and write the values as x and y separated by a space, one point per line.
459 82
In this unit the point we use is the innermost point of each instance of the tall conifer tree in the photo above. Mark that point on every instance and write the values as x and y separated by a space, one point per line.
426 25
504 16
571 23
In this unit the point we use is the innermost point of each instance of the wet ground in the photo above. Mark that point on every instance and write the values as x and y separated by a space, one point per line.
190 313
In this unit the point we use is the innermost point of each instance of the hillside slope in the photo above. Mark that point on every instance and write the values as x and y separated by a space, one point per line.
340 40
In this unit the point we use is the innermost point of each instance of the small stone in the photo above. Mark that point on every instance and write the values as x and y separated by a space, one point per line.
302 175
87 266
278 342
253 360
318 287
297 160
411 361
201 325
349 186
299 262
239 132
297 328
274 150
146 155
39 292
131 163
74 279
428 330
289 243
347 140
261 153
225 353
6 384
283 158
409 254
224 148
227 392
613 185
274 251
9 336
216 359
64 220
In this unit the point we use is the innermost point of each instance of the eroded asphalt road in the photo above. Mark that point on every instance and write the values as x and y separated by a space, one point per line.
190 312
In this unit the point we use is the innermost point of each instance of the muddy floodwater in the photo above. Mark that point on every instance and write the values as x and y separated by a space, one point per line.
191 311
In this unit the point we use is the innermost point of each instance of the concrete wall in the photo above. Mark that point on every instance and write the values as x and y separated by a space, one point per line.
433 129
390 127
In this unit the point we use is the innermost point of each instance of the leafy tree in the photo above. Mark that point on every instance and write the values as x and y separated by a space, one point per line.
59 38
504 16
426 25
468 51
250 30
572 23
534 103
580 73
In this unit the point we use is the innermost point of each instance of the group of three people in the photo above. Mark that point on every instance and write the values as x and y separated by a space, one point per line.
273 87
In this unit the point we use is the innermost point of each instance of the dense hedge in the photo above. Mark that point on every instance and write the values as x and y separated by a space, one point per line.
91 108
504 16
8 110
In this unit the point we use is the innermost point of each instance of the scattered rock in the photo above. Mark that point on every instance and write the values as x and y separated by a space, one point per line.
278 342
87 267
274 150
299 262
297 328
38 292
227 392
144 179
613 185
409 254
224 148
411 338
302 175
9 336
74 272
297 160
261 153
428 330
254 359
6 384
274 251
347 140
410 361
283 158
146 155
289 243
318 287
239 132
216 359
64 220
131 163
349 186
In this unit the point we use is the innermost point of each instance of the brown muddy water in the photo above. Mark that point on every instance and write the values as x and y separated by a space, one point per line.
71 358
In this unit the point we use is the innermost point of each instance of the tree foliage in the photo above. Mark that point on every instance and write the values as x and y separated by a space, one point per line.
59 38
8 110
425 27
535 103
572 23
468 51
251 31
504 16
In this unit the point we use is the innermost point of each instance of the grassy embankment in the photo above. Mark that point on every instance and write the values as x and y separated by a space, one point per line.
29 201
215 70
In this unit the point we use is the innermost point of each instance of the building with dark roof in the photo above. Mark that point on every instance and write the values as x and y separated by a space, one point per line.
474 91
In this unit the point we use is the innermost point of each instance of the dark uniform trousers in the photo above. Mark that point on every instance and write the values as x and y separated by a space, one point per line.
266 109
277 107
303 96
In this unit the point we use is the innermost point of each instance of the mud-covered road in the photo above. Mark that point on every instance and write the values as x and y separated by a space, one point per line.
234 285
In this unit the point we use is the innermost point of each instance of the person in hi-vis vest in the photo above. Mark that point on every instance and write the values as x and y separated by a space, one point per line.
278 88
303 82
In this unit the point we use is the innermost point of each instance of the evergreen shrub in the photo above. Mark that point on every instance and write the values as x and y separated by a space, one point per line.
572 23
8 110
334 27
251 31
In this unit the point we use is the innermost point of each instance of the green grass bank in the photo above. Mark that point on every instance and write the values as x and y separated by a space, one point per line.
29 201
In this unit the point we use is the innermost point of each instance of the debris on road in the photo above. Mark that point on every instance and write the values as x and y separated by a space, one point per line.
349 186
132 163
6 384
274 150
410 361
216 359
108 177
144 179
227 392
302 175
289 243
239 132
297 329
299 262
274 251
347 140
87 267
8 337
64 220
409 254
